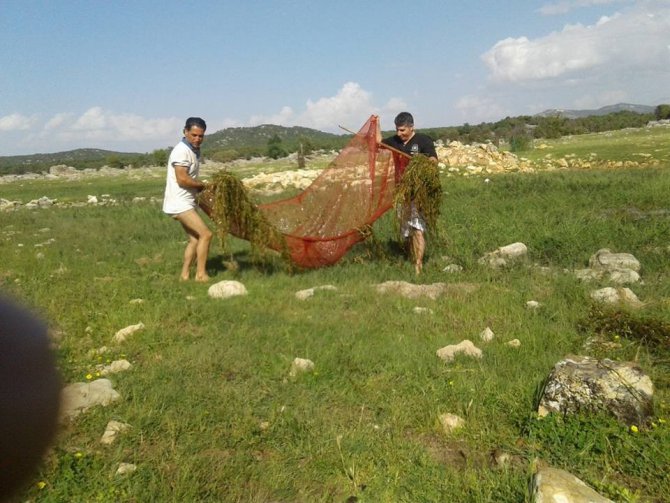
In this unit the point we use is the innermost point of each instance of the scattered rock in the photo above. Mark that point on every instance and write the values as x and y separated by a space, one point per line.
136 301
80 396
115 367
305 294
300 365
465 347
124 333
611 295
126 469
514 343
486 335
451 422
585 384
226 289
453 268
412 291
113 429
604 259
505 255
555 485
532 304
422 310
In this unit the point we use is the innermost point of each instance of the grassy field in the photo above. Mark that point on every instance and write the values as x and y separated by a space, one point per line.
215 415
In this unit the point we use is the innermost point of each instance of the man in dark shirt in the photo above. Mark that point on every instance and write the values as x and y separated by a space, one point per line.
408 141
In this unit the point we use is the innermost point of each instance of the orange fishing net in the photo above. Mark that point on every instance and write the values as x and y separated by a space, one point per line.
335 212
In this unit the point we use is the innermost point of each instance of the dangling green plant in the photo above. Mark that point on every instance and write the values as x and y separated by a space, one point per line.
420 185
227 202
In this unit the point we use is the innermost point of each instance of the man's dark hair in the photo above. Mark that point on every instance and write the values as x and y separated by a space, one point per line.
404 119
195 121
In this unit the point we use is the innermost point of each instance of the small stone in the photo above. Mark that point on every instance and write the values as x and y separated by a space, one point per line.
226 289
451 422
300 365
466 347
514 343
124 333
115 367
486 335
112 431
126 469
422 310
532 304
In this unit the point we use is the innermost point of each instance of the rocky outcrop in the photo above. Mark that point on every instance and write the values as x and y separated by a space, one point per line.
584 384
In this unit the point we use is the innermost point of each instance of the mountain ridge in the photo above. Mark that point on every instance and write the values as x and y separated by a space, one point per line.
609 109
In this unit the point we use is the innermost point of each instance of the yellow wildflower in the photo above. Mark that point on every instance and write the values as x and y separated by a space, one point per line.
89 376
41 484
634 429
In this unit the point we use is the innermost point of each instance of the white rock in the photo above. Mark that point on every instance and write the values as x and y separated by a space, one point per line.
126 468
515 250
124 333
486 335
80 396
623 276
301 365
514 343
610 295
605 259
451 422
115 367
453 268
226 289
309 292
112 431
532 304
422 310
466 347
92 199
137 301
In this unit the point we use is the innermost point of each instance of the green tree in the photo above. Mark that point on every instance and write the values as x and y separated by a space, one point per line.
275 148
114 161
662 112
519 139
160 157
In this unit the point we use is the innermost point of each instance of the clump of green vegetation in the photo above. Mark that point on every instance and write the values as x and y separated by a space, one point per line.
613 322
420 185
228 204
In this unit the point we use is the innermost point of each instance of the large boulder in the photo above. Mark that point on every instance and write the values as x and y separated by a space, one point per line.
552 485
585 384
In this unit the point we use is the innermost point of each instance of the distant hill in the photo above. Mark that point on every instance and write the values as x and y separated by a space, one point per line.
258 136
610 109
79 158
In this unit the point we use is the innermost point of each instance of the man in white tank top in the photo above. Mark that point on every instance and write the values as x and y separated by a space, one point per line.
181 189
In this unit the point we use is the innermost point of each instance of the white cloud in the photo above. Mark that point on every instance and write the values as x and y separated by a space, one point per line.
97 123
624 42
566 6
16 122
285 116
476 109
349 107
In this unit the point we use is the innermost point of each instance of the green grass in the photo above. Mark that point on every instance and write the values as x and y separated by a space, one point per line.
623 145
214 413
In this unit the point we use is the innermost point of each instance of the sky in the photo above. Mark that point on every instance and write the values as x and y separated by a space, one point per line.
125 74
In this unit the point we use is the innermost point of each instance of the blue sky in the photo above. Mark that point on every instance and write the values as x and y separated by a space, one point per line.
124 75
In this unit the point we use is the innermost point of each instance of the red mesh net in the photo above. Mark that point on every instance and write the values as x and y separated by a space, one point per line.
334 213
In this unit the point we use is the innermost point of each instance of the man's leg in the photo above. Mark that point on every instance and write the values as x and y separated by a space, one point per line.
200 238
418 248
